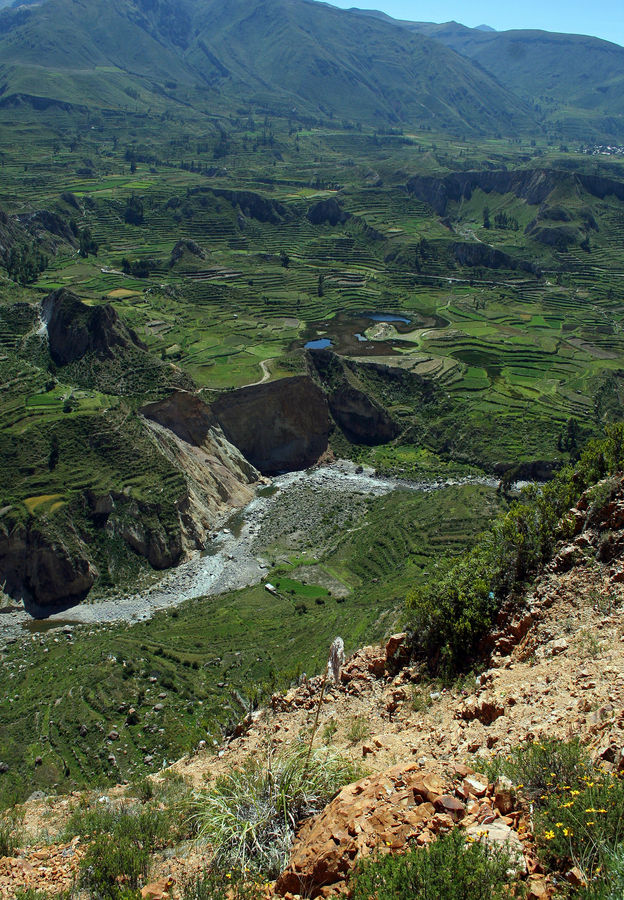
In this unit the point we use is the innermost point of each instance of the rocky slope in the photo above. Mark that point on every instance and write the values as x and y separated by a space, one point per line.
555 670
279 427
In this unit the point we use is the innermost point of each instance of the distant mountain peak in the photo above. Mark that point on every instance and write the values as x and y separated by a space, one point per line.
484 28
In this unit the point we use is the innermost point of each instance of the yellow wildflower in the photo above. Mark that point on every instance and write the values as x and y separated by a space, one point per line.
549 835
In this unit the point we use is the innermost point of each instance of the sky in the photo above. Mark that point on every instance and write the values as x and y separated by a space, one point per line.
601 18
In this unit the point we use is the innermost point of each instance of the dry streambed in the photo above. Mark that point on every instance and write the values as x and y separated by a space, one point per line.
307 506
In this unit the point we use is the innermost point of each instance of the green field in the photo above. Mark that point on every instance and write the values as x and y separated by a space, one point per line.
214 658
507 361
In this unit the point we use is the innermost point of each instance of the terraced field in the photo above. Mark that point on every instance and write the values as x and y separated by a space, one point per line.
192 671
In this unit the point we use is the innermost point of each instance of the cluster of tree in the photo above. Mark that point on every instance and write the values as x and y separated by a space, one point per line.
451 613
134 211
501 220
23 264
139 268
505 222
87 243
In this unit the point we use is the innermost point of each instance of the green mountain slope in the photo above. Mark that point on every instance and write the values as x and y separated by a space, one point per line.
283 55
574 81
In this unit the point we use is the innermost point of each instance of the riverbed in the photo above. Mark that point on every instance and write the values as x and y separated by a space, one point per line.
235 558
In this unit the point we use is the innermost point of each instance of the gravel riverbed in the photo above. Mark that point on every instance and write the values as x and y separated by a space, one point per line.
236 557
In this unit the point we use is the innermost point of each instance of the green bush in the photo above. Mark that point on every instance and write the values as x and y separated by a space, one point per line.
123 837
449 869
452 612
542 766
113 867
582 823
251 814
578 811
150 827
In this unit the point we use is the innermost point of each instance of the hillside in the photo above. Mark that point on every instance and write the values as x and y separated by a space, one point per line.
573 83
288 56
500 758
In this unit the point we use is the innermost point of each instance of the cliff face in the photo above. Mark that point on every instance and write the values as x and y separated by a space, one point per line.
280 426
218 476
75 329
40 569
360 417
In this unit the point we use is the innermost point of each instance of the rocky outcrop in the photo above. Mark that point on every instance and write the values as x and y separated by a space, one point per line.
474 254
403 805
279 426
218 476
327 212
252 205
360 416
75 329
39 569
362 420
183 248
532 185
44 222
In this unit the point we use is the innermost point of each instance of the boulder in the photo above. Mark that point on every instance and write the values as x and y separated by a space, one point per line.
75 329
485 709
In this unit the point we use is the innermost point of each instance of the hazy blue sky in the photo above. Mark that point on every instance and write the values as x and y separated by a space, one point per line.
603 18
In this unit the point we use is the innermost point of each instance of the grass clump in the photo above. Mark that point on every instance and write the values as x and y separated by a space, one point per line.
450 869
358 729
9 835
251 814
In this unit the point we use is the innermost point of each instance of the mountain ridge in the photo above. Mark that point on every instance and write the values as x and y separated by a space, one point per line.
305 57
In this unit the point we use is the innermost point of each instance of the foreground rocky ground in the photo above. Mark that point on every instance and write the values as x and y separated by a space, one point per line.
556 671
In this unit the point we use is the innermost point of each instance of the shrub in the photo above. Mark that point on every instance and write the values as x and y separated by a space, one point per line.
452 612
450 869
144 825
251 814
582 824
537 767
578 811
112 867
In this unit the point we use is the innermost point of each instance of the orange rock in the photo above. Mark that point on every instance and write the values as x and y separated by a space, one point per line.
158 890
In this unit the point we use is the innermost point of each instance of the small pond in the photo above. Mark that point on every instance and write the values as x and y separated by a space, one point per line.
320 344
387 317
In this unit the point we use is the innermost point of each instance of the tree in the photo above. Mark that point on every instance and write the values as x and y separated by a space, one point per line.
134 212
87 243
486 217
